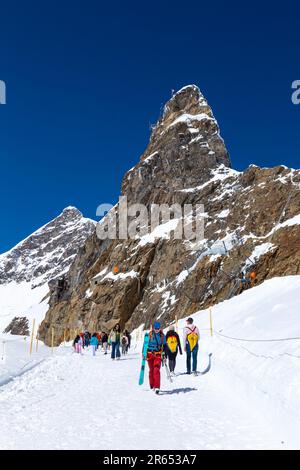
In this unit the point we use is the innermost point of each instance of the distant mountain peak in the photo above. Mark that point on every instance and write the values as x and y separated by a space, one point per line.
72 211
49 251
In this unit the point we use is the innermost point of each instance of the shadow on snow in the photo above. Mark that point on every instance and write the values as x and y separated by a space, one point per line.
177 391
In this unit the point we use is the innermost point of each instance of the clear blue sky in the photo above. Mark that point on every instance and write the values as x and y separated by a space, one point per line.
85 78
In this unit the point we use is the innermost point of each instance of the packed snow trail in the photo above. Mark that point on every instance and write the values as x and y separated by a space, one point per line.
84 402
248 399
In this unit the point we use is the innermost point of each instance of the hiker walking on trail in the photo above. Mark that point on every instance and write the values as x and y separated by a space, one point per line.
127 334
155 356
77 344
94 343
104 341
99 339
191 337
124 343
115 338
172 347
87 339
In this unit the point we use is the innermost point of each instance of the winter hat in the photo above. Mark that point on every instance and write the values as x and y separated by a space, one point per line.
171 328
156 325
190 320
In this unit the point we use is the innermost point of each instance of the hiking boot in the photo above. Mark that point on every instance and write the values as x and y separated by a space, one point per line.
157 391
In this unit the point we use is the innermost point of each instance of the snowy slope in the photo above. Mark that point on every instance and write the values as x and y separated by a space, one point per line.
248 397
20 300
46 254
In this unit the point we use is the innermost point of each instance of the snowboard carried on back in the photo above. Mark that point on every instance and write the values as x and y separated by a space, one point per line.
145 348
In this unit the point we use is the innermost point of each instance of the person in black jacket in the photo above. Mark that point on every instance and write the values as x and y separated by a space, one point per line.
128 336
172 347
104 341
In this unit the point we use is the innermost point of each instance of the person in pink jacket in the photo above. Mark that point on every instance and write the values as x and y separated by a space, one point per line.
191 337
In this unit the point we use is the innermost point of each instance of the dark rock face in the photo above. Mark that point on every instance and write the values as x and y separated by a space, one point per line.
184 146
18 326
48 252
251 225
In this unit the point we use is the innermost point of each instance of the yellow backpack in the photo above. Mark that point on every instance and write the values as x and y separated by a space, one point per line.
192 338
172 343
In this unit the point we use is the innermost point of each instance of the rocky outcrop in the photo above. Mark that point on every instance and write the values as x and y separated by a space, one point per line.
18 326
252 224
184 146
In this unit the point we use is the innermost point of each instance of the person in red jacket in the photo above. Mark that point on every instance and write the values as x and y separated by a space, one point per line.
99 339
155 356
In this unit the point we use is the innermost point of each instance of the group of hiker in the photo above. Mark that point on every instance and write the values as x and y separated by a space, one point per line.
163 349
113 341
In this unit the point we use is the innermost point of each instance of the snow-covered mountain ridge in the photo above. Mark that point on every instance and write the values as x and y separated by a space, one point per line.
48 253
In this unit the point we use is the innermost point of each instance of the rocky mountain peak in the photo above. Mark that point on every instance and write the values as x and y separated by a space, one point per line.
185 145
49 251
252 227
188 99
71 212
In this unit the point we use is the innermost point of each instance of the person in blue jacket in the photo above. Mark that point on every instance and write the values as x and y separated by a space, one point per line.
94 343
155 355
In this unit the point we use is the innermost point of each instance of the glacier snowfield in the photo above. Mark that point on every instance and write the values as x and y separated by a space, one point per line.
248 399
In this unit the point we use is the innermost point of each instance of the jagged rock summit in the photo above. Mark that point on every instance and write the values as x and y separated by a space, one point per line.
185 145
252 224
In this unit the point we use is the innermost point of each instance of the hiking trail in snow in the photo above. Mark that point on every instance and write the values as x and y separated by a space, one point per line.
248 398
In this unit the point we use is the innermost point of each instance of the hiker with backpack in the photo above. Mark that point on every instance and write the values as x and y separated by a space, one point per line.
172 347
115 338
155 355
87 338
191 337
